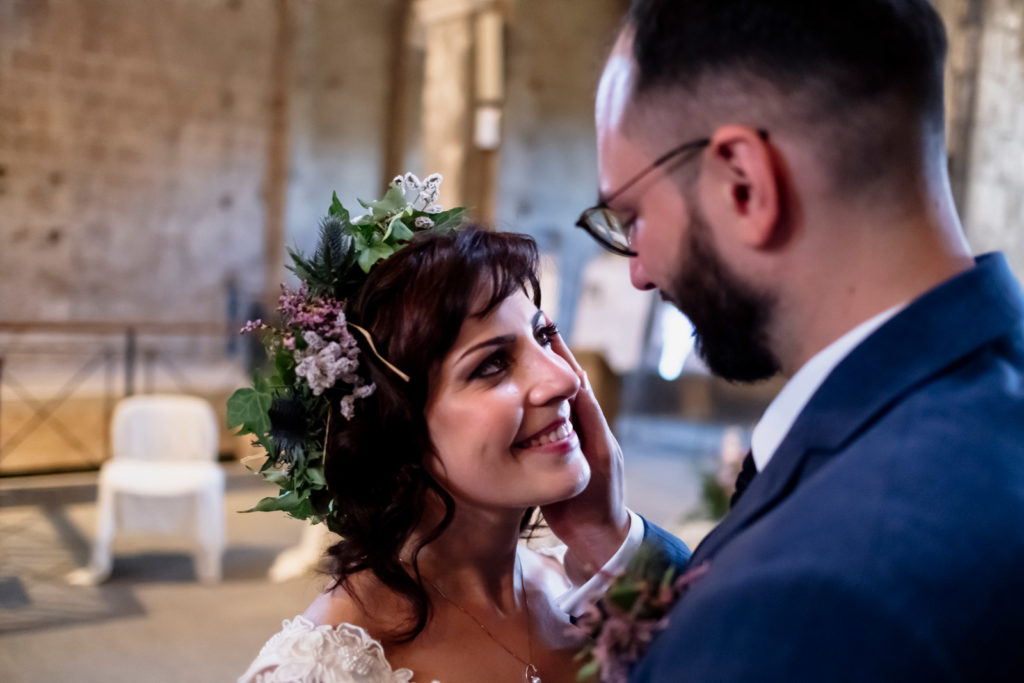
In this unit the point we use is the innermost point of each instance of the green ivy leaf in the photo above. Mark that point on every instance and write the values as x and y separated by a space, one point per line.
400 232
315 476
285 501
447 220
260 383
393 201
284 371
373 254
247 408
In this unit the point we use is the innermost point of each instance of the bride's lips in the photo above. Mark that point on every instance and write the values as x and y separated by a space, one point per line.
559 434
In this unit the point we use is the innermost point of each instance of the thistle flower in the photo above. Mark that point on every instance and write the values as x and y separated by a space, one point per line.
287 424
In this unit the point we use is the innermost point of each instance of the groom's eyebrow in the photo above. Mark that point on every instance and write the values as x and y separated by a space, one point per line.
495 341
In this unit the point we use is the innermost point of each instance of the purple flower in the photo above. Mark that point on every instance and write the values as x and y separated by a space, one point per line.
620 636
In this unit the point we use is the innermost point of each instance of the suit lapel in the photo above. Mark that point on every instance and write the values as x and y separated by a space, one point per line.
913 346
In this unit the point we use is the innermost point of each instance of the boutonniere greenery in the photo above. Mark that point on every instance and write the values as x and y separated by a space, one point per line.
622 625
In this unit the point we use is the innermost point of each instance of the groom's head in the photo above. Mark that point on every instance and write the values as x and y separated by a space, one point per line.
797 111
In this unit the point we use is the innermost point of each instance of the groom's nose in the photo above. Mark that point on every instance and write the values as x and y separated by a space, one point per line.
638 276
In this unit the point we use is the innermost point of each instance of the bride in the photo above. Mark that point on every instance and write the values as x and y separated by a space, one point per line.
434 478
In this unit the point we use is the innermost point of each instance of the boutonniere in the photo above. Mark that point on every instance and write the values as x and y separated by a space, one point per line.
622 624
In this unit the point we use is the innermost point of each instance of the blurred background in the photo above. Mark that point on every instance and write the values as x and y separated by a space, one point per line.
158 156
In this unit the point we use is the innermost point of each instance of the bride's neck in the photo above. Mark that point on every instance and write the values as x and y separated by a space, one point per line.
475 557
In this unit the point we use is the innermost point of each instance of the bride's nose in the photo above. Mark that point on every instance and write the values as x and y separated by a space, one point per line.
551 379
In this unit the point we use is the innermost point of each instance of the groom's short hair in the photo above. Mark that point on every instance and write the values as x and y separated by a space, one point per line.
857 65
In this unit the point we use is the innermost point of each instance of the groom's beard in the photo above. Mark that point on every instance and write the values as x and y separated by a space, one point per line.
730 319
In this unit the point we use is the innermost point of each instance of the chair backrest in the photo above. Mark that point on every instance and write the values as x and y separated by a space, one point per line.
164 427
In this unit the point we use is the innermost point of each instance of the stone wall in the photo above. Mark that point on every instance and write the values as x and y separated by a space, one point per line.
132 144
337 113
548 171
993 210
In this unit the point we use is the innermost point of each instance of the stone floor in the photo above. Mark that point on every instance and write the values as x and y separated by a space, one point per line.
153 622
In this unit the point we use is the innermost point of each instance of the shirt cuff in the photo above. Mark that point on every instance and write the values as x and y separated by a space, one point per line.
576 600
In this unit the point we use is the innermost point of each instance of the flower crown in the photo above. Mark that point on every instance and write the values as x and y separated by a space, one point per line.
314 357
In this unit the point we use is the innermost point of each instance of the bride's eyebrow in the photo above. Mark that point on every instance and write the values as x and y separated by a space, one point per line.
503 340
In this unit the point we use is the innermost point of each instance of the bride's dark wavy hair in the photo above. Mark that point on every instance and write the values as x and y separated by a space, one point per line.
413 304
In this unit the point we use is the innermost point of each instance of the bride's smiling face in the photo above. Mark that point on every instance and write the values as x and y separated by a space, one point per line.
498 413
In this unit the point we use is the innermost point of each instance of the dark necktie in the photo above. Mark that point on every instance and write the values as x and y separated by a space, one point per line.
746 475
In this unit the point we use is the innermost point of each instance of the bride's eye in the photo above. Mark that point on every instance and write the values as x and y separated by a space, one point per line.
546 335
492 366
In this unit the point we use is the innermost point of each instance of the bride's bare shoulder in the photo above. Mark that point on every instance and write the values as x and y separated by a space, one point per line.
362 601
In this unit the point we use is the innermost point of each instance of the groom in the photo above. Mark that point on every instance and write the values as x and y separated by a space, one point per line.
777 170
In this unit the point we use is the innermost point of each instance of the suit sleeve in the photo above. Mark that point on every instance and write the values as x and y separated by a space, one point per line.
669 550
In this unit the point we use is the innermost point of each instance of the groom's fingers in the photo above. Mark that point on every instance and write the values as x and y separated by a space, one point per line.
590 418
559 346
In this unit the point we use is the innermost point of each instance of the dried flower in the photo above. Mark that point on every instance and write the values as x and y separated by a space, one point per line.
323 363
420 195
623 624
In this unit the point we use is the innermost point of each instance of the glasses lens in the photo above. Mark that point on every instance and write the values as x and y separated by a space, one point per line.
607 226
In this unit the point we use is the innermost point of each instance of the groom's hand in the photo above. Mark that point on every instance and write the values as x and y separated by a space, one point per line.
595 523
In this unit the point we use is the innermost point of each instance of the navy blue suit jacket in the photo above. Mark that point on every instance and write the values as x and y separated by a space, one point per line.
884 541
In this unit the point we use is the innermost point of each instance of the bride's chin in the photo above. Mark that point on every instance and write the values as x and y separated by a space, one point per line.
577 476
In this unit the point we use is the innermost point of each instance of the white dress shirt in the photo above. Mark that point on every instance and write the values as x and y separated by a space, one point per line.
575 601
782 412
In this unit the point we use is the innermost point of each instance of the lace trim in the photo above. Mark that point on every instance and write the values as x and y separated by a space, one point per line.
304 652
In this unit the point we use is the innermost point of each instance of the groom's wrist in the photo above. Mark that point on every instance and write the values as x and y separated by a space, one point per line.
590 547
587 590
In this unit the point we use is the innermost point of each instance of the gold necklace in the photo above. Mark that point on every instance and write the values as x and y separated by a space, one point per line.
530 674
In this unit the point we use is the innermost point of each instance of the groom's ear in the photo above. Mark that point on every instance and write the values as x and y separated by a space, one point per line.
740 186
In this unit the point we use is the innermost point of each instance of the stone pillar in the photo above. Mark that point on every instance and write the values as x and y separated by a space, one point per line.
447 81
275 186
462 98
394 138
964 21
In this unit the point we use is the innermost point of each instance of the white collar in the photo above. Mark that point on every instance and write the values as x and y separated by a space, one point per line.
777 420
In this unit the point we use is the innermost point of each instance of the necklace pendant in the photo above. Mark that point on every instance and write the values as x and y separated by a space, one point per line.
531 675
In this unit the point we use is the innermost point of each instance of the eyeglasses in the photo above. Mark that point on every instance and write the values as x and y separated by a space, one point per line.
610 228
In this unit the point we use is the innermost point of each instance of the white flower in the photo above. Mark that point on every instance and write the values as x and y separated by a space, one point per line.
424 222
420 194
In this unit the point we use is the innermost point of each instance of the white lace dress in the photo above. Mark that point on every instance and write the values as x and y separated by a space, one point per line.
302 652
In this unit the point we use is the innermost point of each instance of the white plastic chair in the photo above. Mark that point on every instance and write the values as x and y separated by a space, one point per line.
164 447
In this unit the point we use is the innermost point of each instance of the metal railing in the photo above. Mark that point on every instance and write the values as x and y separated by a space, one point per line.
64 379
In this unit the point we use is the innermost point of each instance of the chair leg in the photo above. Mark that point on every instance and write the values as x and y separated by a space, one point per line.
101 563
210 533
